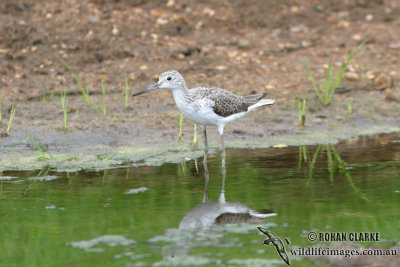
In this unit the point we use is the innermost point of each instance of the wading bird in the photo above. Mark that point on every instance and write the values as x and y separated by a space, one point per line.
207 106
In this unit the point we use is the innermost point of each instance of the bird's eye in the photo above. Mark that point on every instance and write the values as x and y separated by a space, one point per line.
169 78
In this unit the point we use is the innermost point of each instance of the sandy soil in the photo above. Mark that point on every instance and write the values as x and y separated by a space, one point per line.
244 46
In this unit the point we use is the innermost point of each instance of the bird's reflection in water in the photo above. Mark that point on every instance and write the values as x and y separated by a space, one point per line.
194 229
209 213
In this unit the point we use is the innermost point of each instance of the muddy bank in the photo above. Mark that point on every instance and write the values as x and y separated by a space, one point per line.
246 48
80 153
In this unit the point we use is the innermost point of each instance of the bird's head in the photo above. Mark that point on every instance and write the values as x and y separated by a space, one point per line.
170 80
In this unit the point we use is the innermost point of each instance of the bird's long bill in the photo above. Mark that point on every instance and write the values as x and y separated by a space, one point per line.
151 88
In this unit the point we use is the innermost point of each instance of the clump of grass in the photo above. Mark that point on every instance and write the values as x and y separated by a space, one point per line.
127 91
326 91
64 105
52 93
103 107
302 111
96 106
11 118
195 140
39 146
85 91
303 155
48 97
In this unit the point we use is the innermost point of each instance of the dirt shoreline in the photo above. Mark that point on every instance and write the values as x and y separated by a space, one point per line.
76 154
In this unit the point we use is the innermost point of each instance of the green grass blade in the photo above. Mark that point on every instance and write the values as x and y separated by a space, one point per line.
103 107
65 115
350 107
180 128
331 164
299 109
303 112
85 91
11 118
76 78
39 146
127 91
300 157
340 161
52 93
196 166
195 141
314 85
328 87
371 116
305 152
64 105
1 100
312 164
343 70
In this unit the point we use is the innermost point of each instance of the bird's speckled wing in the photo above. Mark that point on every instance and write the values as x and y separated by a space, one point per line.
223 102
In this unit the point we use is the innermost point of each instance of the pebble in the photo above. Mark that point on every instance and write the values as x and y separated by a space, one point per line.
357 37
208 11
161 21
370 75
269 87
369 17
351 76
237 131
280 145
392 98
320 8
243 44
185 19
383 81
155 13
115 31
221 67
394 46
93 19
299 28
343 24
180 56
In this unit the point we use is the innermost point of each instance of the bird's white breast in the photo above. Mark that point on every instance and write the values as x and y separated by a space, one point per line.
199 111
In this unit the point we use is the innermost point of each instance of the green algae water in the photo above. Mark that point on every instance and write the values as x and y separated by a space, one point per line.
170 215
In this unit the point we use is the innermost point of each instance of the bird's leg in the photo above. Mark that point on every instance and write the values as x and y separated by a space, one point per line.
205 144
221 198
206 174
223 168
195 136
206 179
222 147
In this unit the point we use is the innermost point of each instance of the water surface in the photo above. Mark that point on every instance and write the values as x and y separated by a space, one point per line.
131 216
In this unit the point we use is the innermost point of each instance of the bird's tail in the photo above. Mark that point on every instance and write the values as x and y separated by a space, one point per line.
262 102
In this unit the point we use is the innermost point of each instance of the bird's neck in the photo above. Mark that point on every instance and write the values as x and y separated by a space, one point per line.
180 96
